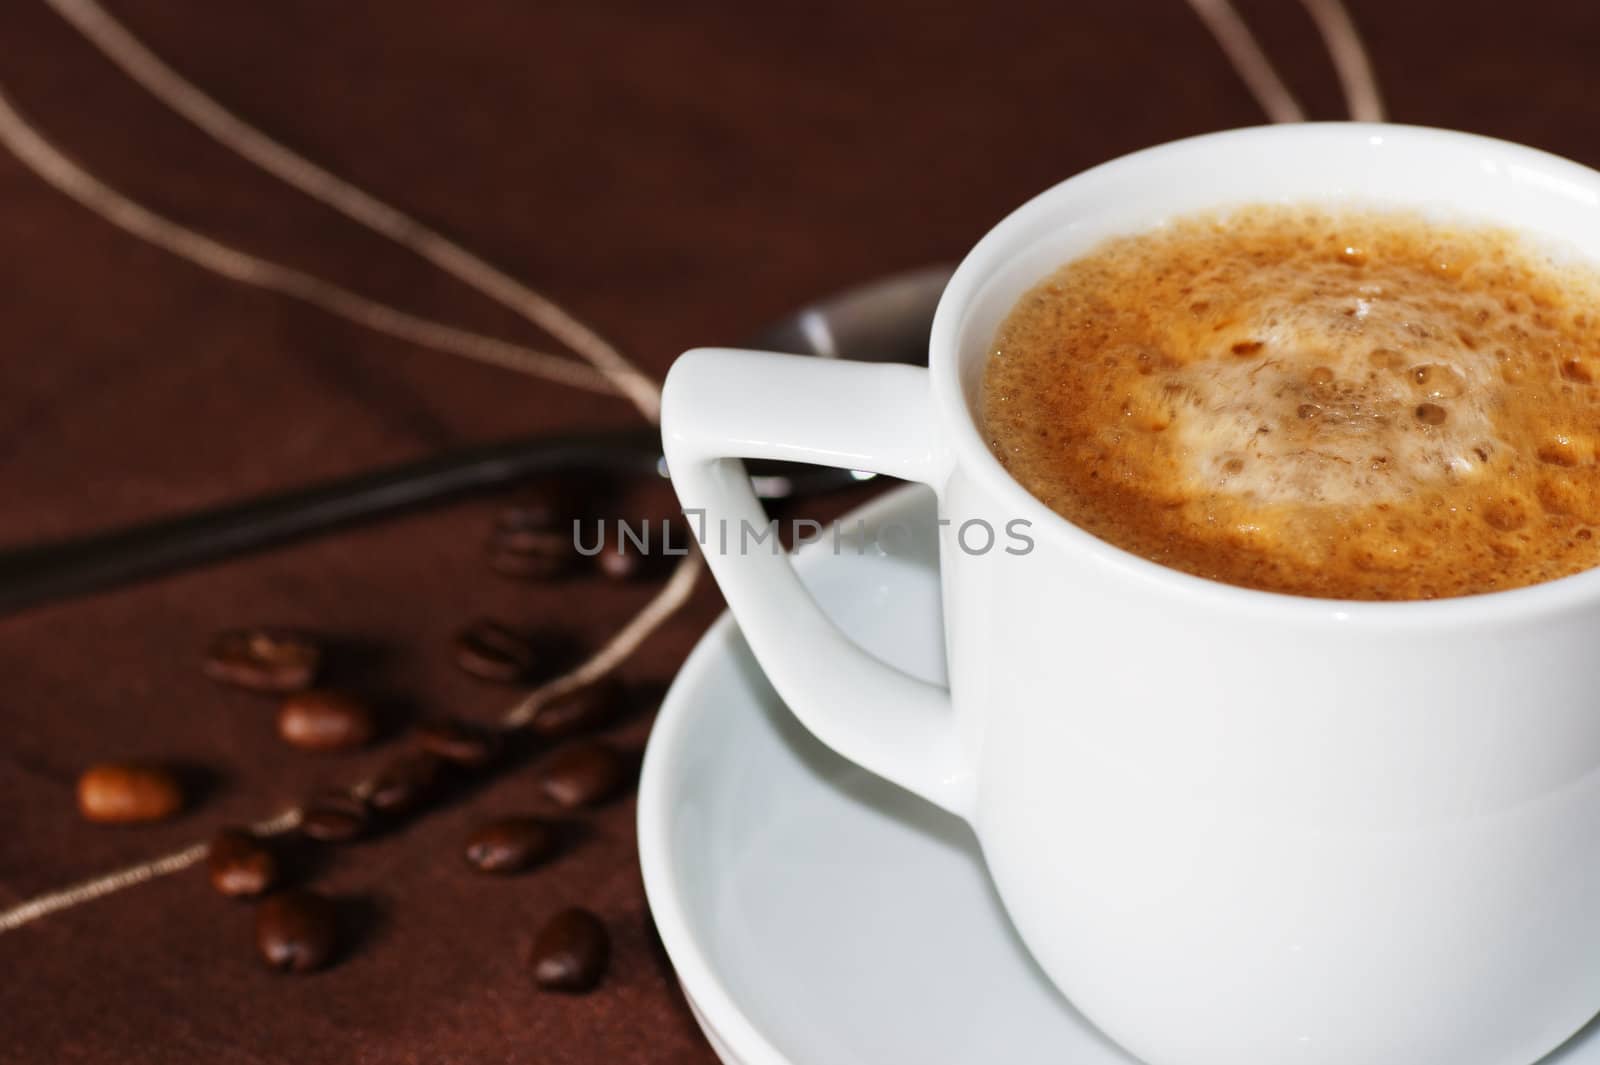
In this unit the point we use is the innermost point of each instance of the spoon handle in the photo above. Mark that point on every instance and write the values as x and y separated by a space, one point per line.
31 574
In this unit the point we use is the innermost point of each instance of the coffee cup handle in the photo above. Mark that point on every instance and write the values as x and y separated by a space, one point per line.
720 406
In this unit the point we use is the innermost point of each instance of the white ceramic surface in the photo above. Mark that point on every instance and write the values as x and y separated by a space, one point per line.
1236 828
817 915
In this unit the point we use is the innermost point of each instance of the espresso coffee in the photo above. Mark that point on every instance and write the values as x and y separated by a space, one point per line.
1347 404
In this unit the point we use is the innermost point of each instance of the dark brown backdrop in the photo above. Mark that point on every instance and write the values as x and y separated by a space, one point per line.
676 173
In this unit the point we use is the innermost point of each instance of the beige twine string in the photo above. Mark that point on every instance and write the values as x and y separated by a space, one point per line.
110 883
1350 58
171 88
45 160
1249 61
613 370
1339 37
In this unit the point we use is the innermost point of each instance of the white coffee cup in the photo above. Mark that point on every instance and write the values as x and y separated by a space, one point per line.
1234 827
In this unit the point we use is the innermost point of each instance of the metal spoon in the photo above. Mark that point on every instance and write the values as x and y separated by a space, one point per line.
886 321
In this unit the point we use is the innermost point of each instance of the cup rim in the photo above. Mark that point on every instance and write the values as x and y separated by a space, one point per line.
972 454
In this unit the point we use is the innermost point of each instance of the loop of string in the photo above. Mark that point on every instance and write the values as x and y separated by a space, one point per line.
45 160
185 98
1350 59
1249 61
1339 37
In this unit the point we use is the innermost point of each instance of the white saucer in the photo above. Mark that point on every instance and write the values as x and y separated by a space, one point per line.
815 914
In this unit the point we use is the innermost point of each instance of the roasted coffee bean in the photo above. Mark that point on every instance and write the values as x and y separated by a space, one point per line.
265 660
406 782
321 720
533 564
125 793
490 650
530 545
240 864
334 817
547 503
460 742
584 773
296 931
621 560
586 709
511 844
571 952
518 530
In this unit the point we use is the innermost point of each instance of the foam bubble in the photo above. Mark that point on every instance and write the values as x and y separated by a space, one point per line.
1308 407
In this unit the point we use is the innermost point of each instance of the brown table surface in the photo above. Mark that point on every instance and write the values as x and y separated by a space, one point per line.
676 173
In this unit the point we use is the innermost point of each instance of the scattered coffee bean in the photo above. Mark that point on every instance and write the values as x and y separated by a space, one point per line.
321 720
522 530
621 560
241 865
296 931
547 559
460 742
125 793
529 543
547 503
265 660
584 710
571 952
334 817
584 773
491 651
511 844
406 782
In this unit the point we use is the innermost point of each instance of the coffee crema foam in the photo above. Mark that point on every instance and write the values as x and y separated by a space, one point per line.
1339 403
